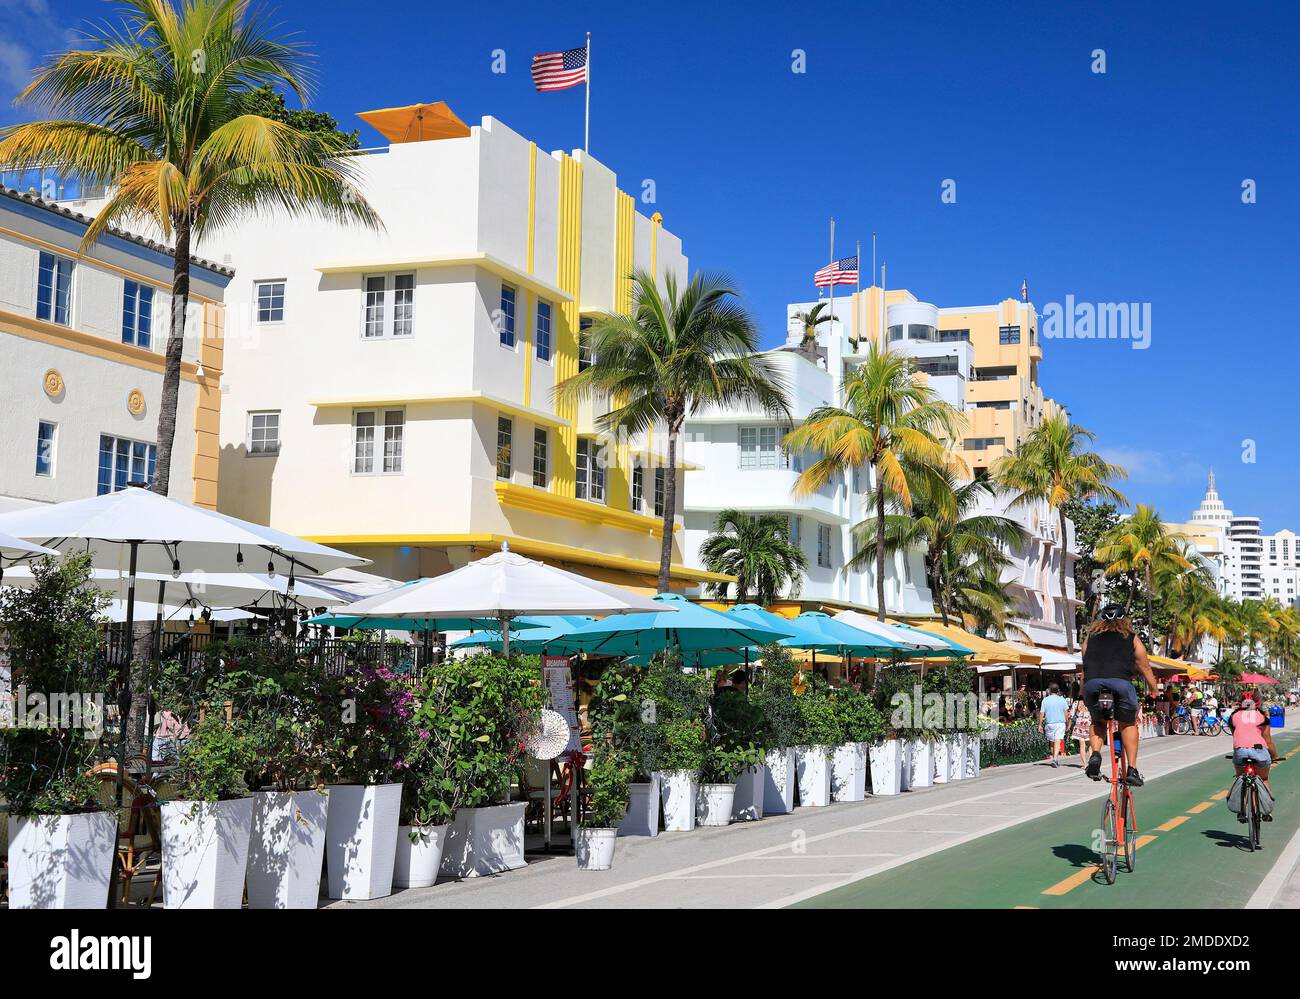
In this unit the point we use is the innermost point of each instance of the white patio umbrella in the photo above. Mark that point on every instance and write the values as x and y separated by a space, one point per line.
904 636
215 589
12 549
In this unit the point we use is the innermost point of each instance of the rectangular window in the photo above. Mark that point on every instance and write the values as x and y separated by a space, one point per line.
365 424
264 432
796 529
541 457
1008 335
506 317
137 314
543 331
661 480
45 449
638 487
994 404
935 366
388 309
758 448
954 336
403 304
823 546
124 462
54 289
981 443
584 344
270 301
505 431
590 484
374 307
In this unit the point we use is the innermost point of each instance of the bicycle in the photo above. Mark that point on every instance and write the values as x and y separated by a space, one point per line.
1118 811
1210 724
1250 799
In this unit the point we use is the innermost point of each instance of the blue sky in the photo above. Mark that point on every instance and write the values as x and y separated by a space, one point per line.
1122 187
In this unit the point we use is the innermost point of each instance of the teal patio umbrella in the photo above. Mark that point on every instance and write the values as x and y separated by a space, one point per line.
540 632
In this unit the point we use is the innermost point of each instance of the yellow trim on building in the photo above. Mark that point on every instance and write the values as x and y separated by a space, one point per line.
620 474
540 501
473 398
41 331
207 410
483 261
525 546
528 263
569 258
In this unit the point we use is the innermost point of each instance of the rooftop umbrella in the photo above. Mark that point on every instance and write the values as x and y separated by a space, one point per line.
416 122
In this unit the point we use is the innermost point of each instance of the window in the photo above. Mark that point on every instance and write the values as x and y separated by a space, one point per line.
661 480
994 404
796 529
994 374
124 462
137 314
584 344
638 487
270 301
758 448
895 333
919 331
505 430
541 457
1008 335
590 473
389 307
954 336
45 449
981 443
366 423
54 289
543 331
506 317
823 546
264 432
935 366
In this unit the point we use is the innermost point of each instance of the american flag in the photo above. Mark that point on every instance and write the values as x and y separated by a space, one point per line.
560 70
842 271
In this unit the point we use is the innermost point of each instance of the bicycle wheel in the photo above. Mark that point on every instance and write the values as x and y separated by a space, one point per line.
1212 726
1252 821
1109 842
1181 725
1130 832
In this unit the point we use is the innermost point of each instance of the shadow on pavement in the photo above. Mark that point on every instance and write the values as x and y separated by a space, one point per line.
1077 854
1237 841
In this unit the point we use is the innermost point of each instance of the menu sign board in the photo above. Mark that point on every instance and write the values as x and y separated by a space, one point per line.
558 677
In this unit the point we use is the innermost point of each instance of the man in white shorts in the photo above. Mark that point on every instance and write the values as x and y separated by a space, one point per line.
1051 720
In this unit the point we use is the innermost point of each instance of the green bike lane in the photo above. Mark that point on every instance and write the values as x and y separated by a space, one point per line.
1192 854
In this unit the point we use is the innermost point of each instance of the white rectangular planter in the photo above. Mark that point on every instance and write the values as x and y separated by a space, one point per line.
595 848
361 839
419 856
942 753
922 763
747 806
849 772
205 853
886 767
61 861
677 792
957 756
286 849
488 840
905 753
814 763
779 782
642 818
973 743
713 804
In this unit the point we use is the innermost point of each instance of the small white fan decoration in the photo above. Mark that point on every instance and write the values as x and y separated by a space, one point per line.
549 739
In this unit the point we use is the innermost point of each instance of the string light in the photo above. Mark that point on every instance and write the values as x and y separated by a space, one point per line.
176 568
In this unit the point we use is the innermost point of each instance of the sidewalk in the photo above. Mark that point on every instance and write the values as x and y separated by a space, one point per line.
784 859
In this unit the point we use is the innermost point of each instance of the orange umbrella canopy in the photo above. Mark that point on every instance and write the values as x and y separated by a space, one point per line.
416 122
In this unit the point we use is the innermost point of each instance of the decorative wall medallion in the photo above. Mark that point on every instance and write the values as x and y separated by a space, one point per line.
53 383
135 402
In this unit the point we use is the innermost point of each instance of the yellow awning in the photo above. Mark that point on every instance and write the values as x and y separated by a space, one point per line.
1193 671
986 650
416 122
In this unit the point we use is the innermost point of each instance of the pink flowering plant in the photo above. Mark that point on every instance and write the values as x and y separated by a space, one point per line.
365 720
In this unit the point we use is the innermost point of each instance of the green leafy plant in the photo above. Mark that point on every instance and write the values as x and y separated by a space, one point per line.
819 721
362 724
611 773
857 716
654 714
773 692
214 761
737 740
890 683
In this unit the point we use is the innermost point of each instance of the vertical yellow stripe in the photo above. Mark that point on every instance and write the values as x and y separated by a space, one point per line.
656 220
620 487
565 331
528 297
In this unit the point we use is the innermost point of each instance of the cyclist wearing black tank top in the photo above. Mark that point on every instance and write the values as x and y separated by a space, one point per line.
1112 656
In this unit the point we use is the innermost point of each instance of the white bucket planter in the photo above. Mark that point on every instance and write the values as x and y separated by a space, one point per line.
285 849
61 861
849 772
886 767
814 763
747 805
714 803
487 840
972 754
419 855
642 817
922 763
361 839
595 849
905 754
677 791
778 782
205 853
957 756
942 750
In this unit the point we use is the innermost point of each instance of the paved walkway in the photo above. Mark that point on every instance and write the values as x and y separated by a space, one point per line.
784 860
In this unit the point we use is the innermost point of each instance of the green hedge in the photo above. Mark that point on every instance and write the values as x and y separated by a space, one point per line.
1018 742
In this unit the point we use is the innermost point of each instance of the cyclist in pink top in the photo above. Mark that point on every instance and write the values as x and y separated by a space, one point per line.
1251 739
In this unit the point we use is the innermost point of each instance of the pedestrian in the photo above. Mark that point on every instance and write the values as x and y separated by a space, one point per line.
1051 720
1082 733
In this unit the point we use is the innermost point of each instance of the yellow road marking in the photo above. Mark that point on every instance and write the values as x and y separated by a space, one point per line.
1198 809
1024 907
1173 823
1073 881
1218 796
1143 841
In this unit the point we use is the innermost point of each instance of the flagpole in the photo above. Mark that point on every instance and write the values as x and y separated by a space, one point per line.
586 130
832 261
857 298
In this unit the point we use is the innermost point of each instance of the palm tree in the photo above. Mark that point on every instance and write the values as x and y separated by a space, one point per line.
678 352
1140 546
810 320
153 111
1053 466
948 540
973 592
757 550
891 422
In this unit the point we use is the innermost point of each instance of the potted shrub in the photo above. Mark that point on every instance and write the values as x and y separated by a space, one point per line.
721 768
741 723
61 838
611 773
363 722
819 734
207 823
860 725
491 703
776 680
680 756
615 714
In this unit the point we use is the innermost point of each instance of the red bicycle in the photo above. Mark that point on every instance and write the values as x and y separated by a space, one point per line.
1118 817
1250 798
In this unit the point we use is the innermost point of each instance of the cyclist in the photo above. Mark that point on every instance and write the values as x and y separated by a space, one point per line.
1250 728
1112 656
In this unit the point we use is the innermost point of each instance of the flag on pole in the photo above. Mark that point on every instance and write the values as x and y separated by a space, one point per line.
1024 290
842 271
560 70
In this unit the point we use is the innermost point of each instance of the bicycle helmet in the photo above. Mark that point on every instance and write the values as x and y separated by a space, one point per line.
1247 702
1112 612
